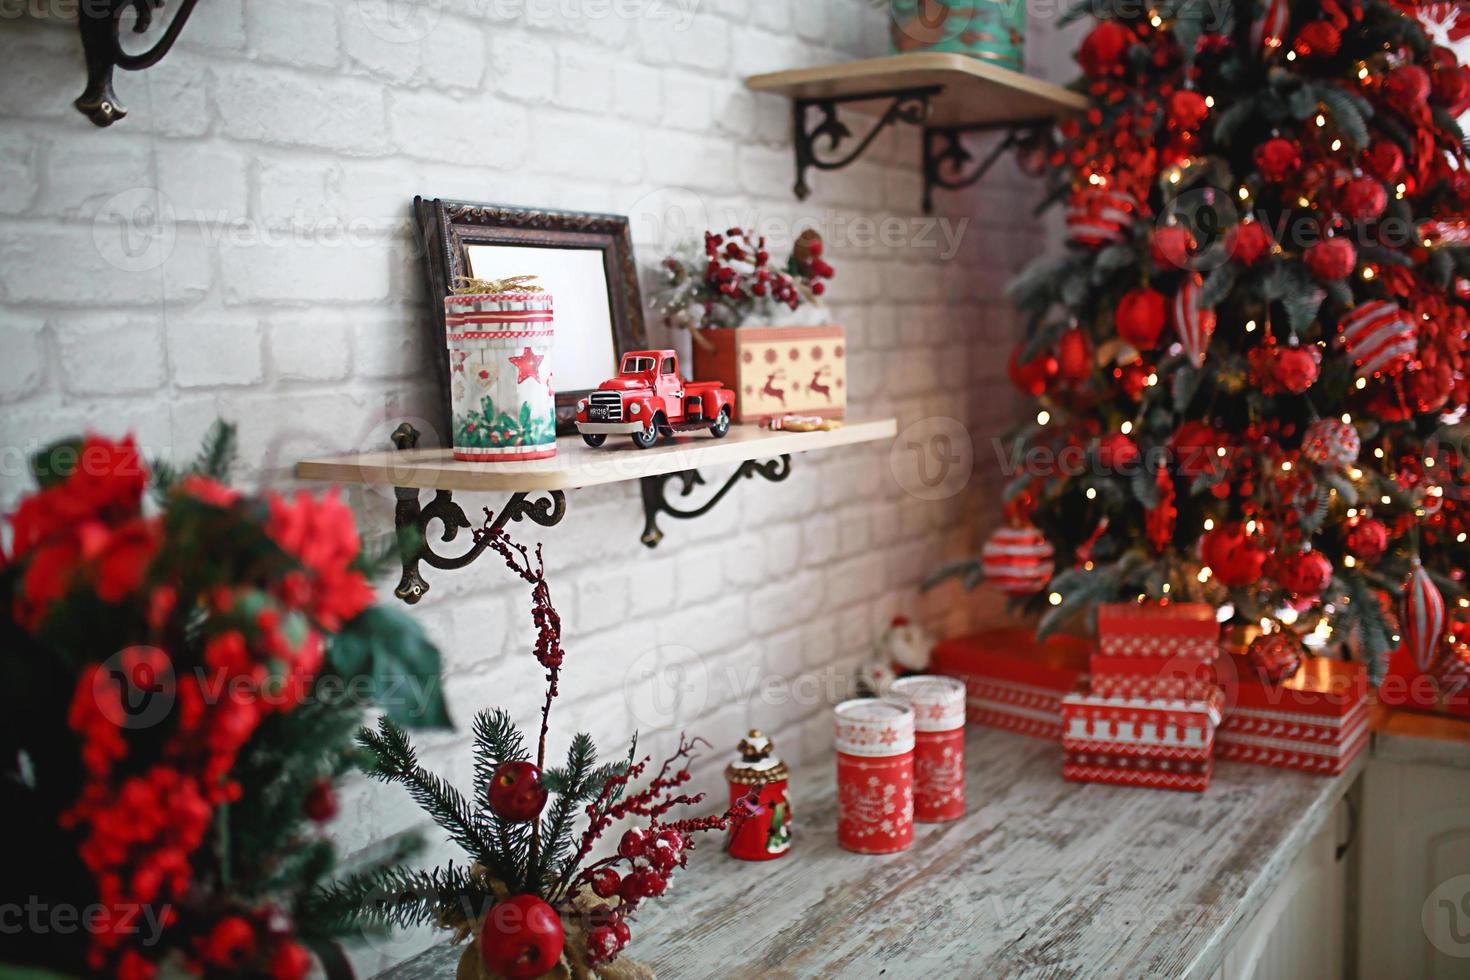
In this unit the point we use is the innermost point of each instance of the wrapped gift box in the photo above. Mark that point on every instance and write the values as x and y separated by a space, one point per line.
1174 678
1317 721
1406 686
775 371
1150 742
1161 630
1013 682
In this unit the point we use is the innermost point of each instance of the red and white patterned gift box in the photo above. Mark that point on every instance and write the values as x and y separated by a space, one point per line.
1011 681
1158 743
1163 630
1317 721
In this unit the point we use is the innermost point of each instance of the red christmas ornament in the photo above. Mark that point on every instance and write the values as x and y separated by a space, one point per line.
1305 574
1018 560
1423 617
1363 199
1097 216
1074 357
1248 241
522 937
1318 39
1366 539
1159 522
1331 258
758 783
1102 51
1133 379
1384 160
1116 452
1278 159
1451 88
1380 337
1171 246
1295 369
1331 442
1187 110
1034 376
1233 555
1276 656
1269 29
290 962
1407 89
1194 325
516 792
321 802
1140 317
1196 447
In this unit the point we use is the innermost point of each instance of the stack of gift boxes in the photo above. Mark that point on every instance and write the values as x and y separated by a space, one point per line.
1154 702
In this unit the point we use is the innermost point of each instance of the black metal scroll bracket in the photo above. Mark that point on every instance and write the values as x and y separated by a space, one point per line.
906 105
656 501
100 23
411 524
945 156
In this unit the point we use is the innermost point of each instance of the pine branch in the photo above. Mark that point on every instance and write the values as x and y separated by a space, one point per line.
574 785
399 898
497 740
394 761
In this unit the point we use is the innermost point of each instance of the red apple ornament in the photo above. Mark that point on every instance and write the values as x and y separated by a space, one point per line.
516 792
522 937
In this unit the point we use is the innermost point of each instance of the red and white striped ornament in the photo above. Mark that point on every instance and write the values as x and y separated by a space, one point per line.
1423 618
1098 216
1194 325
1018 560
1452 671
1332 442
1268 31
1380 337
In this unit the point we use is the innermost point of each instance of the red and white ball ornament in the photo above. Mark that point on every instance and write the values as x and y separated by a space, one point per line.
1380 337
1332 442
1098 216
1276 656
1194 325
1424 618
1018 560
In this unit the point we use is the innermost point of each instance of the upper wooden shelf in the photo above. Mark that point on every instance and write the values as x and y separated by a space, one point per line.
578 465
973 92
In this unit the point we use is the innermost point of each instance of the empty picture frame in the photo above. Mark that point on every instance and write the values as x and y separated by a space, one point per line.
585 261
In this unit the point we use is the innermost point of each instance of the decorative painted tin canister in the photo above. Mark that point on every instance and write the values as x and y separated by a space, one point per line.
939 745
766 833
993 30
875 776
504 405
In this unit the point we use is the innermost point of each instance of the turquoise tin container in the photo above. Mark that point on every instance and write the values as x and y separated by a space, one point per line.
992 30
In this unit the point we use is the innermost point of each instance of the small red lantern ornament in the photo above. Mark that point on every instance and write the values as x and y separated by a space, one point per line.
1332 442
1380 337
1276 656
522 937
1424 618
759 778
1195 326
1018 560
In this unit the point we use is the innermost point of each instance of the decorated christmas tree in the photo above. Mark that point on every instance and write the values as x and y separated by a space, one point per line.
1250 360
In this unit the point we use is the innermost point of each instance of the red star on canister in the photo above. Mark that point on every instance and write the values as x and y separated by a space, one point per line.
527 363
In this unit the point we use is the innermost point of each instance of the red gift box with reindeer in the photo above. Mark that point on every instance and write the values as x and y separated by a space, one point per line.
777 370
1315 721
1151 742
1159 650
1012 681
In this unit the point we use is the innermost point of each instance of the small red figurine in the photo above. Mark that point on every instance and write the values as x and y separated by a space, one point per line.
766 834
648 398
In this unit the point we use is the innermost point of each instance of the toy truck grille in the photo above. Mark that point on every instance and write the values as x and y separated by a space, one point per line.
607 406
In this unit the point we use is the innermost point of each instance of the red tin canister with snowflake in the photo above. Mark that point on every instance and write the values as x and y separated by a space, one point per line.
939 745
765 833
875 776
503 403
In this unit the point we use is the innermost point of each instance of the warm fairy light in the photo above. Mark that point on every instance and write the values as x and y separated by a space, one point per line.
1350 561
1153 379
1428 243
1092 493
1245 193
1166 588
1209 523
1055 598
1464 603
1209 102
1356 474
1286 466
1347 419
1204 574
1043 417
1378 452
1174 177
1436 491
1094 179
1386 499
1291 56
1362 383
1429 462
1250 326
1368 273
1396 638
1321 120
1250 527
1221 451
1287 615
1156 20
1363 72
1127 427
1336 145
1461 537
1353 511
1088 566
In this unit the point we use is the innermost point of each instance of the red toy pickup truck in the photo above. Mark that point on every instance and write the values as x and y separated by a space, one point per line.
648 398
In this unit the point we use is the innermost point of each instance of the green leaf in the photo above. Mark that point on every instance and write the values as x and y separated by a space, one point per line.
386 648
52 465
525 415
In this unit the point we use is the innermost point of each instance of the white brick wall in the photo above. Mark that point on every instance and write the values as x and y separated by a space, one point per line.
282 143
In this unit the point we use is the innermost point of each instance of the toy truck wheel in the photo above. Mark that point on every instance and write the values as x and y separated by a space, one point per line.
645 438
721 424
594 439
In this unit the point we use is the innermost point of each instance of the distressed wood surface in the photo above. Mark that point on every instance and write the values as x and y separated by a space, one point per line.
1042 878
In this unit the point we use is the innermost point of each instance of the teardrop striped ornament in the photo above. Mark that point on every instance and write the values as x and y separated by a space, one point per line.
1194 325
1380 337
1018 560
1423 618
1268 31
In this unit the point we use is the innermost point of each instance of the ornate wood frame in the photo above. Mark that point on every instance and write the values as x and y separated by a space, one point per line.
445 228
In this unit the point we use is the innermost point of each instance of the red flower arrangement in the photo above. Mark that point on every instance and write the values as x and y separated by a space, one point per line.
169 637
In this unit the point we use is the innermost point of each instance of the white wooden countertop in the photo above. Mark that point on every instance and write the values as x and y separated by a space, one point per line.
1042 878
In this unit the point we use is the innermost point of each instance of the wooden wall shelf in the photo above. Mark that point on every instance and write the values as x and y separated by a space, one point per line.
537 488
948 95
